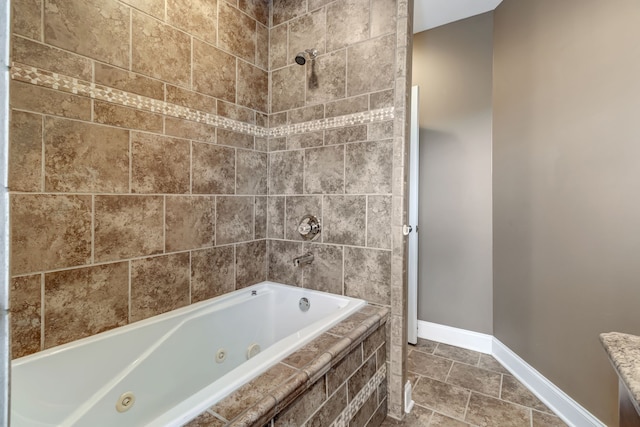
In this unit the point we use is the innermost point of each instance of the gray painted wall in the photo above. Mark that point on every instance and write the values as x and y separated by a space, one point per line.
452 65
565 187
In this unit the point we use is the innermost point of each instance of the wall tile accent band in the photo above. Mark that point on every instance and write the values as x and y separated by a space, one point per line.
38 77
354 406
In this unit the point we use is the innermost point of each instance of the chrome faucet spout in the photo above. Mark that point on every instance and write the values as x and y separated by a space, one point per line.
303 259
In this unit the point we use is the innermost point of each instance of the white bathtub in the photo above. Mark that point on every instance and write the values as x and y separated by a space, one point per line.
169 362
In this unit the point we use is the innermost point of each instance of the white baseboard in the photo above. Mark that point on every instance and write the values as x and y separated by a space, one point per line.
557 400
570 411
455 336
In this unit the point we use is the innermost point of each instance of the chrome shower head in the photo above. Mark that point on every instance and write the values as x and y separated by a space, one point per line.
301 57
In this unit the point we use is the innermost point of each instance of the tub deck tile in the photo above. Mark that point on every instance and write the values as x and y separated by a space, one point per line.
310 351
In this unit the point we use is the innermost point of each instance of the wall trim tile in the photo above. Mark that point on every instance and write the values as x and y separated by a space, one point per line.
63 83
570 411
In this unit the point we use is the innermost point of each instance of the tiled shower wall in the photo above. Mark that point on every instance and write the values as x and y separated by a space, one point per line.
163 152
121 208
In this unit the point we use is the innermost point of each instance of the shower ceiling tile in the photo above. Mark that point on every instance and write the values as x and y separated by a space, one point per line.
214 71
49 232
85 301
94 28
160 51
196 17
212 273
189 222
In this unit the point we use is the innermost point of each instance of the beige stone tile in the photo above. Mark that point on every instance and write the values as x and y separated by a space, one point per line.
303 407
26 16
343 328
307 32
330 411
326 78
487 411
189 222
187 98
237 112
513 391
213 169
325 272
275 217
278 53
130 118
379 222
383 17
474 378
49 58
439 420
368 167
160 51
342 107
444 398
212 273
382 99
427 365
418 417
296 208
380 130
347 23
278 144
367 274
286 171
129 82
92 28
206 419
344 220
285 10
425 346
305 140
345 134
251 263
280 266
262 46
260 217
235 139
159 164
49 232
214 71
262 143
458 354
380 51
196 17
234 219
488 362
237 32
187 129
251 172
158 285
367 411
288 88
310 351
305 114
25 152
341 372
257 9
253 87
25 302
82 157
83 302
324 170
25 96
128 226
372 343
278 119
152 7
250 393
541 419
360 378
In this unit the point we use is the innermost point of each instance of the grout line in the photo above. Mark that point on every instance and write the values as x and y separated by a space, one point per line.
466 407
130 39
450 369
42 310
500 391
93 229
43 155
129 292
164 224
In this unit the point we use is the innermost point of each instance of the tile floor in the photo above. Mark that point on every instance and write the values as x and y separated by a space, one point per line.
455 387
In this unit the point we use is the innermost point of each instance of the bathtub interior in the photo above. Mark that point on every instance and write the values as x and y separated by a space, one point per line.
170 362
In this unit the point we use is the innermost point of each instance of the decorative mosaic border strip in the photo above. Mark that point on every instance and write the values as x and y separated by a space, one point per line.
360 399
38 77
